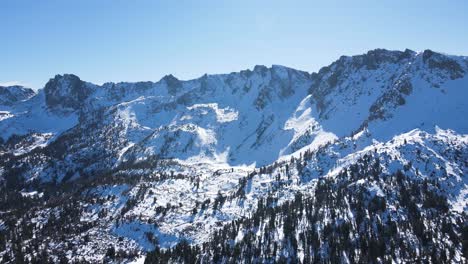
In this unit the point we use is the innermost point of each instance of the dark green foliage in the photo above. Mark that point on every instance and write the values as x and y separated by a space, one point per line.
320 228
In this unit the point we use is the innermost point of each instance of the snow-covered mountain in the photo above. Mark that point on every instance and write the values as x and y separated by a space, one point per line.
121 169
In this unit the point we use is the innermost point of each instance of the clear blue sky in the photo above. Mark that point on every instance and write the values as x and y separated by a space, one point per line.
103 40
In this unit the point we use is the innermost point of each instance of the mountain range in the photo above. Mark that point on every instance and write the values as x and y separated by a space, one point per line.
364 161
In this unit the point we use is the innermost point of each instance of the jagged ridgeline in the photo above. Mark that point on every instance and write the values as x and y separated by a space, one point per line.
364 161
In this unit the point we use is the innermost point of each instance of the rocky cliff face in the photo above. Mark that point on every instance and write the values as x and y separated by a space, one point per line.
66 91
10 95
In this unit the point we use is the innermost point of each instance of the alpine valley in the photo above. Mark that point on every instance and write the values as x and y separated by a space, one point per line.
365 161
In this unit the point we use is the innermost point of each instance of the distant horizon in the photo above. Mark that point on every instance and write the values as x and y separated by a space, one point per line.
115 41
13 83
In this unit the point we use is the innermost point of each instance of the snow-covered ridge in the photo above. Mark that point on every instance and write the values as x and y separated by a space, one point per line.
254 116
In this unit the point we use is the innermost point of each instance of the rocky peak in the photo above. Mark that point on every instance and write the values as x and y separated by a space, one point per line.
261 69
173 84
437 61
66 91
12 94
374 58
